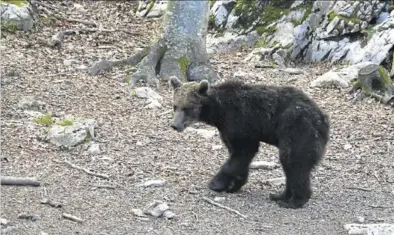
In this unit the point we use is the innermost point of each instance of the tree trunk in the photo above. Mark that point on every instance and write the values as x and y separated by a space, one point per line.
181 49
374 81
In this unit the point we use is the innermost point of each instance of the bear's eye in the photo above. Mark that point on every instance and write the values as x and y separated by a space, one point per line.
175 107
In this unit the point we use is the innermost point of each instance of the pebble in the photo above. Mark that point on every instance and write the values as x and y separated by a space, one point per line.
154 183
219 199
347 146
3 221
138 212
94 149
360 219
156 209
168 214
29 217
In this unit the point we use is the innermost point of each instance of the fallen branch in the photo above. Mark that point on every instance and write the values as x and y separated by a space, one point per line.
104 65
51 203
224 207
72 218
361 189
104 186
18 181
83 169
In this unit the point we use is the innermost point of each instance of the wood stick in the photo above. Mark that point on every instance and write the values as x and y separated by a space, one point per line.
19 181
72 218
83 169
224 207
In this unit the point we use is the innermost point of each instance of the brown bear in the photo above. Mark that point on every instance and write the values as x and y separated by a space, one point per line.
246 115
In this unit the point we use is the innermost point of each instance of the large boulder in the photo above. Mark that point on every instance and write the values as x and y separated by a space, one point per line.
16 14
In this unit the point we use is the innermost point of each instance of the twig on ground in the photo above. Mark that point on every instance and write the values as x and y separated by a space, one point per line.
224 207
361 189
83 169
72 218
19 181
104 186
51 203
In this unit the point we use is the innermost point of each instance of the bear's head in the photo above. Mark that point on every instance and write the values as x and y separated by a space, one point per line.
188 100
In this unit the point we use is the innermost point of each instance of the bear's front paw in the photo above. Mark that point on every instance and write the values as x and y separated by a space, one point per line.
280 196
228 183
292 204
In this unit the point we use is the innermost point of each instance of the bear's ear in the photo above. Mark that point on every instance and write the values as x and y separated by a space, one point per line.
175 82
204 86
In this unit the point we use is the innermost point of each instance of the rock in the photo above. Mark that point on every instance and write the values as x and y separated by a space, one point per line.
156 209
244 75
158 9
382 17
94 149
147 93
275 181
339 77
21 16
329 79
230 42
154 183
360 219
43 233
370 229
219 199
69 62
283 35
3 221
232 20
10 229
72 133
220 11
30 103
263 165
216 147
153 104
138 212
347 146
169 214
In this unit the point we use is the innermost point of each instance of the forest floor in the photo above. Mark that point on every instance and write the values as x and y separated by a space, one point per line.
354 182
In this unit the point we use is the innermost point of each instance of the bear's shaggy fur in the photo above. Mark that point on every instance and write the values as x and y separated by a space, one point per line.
246 115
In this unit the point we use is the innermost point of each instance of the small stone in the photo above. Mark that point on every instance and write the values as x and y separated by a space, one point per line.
153 104
154 183
94 149
138 212
69 62
156 209
43 233
139 143
9 229
219 199
169 214
263 165
347 146
3 221
360 219
375 229
147 93
71 133
216 147
275 181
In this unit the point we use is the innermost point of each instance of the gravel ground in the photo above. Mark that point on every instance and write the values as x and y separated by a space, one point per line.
354 180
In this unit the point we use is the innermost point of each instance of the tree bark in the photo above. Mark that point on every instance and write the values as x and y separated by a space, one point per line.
181 48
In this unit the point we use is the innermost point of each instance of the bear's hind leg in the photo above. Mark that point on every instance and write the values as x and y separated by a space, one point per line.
286 194
234 173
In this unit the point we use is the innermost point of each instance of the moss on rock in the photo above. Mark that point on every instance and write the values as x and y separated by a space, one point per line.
183 63
332 15
45 120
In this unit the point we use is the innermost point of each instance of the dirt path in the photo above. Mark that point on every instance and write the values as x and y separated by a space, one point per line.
137 145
